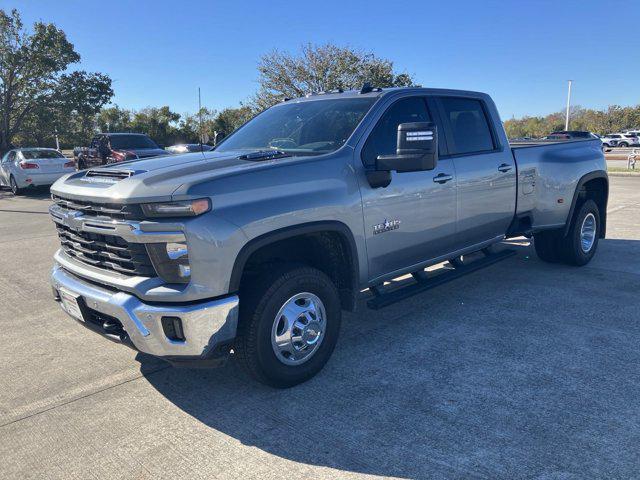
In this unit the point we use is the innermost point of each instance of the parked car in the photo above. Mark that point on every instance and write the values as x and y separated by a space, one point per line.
625 139
571 135
108 148
22 168
259 245
609 141
188 147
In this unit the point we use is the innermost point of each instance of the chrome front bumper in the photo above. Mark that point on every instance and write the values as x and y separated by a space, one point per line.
207 325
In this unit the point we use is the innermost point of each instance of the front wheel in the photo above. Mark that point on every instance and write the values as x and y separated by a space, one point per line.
623 144
289 324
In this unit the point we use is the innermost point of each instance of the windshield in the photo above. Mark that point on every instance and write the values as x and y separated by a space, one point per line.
305 128
35 154
123 142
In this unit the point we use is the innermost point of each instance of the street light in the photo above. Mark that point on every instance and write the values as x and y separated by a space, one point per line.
566 121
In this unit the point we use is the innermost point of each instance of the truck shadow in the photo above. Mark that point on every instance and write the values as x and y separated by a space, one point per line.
476 377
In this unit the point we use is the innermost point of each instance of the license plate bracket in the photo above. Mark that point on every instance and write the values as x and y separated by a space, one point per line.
71 304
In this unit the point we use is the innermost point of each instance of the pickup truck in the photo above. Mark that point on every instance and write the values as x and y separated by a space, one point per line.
258 246
108 148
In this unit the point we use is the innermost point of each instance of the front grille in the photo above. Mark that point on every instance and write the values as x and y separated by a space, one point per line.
106 251
92 209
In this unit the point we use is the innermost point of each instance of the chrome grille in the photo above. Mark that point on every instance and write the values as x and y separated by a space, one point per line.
106 251
101 250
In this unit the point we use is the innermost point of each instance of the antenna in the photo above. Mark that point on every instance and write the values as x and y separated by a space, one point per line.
200 120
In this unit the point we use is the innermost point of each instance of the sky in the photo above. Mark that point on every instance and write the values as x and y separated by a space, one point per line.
520 52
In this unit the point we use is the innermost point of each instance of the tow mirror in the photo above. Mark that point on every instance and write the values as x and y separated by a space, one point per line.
417 149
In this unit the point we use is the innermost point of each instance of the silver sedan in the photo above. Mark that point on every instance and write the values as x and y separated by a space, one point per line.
33 167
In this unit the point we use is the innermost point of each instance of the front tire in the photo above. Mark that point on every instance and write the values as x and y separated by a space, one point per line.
289 324
623 144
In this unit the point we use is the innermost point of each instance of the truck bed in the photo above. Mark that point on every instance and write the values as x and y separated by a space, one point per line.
548 173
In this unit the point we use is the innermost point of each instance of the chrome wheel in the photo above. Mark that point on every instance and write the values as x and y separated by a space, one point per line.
588 233
298 328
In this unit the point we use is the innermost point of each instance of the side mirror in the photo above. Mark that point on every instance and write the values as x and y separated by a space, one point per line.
417 149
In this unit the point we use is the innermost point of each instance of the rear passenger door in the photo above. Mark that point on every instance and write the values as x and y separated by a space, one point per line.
486 171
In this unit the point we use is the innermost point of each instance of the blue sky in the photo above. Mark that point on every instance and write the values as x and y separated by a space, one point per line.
520 52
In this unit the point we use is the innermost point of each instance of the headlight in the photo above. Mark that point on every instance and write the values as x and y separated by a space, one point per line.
186 208
171 261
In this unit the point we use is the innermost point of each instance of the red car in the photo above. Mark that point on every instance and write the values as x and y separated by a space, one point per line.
108 148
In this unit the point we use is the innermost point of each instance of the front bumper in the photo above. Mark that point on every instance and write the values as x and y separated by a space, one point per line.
209 326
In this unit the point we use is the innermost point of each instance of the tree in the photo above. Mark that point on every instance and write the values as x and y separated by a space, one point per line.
321 68
158 123
230 119
34 90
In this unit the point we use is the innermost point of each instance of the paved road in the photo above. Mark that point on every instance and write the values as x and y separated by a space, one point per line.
522 369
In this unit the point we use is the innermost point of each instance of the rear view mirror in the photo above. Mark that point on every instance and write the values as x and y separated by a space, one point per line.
417 149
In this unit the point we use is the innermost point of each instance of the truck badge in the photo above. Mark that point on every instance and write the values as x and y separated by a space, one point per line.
386 226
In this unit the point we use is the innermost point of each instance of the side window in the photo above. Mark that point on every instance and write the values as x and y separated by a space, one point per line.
468 125
383 139
95 142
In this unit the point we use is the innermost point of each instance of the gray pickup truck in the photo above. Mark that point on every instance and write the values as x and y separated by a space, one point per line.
257 247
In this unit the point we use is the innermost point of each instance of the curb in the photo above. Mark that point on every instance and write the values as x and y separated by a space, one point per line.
624 174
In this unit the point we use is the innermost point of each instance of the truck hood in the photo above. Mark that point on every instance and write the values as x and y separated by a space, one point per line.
153 179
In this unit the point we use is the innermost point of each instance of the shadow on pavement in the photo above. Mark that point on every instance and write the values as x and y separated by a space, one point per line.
522 369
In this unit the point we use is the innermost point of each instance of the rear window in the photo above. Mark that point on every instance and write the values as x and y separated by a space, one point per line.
468 125
35 154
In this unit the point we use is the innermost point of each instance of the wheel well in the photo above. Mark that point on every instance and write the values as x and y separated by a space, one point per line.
596 189
328 251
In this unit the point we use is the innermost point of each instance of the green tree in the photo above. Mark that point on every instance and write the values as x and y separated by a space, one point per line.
229 120
159 123
319 68
35 91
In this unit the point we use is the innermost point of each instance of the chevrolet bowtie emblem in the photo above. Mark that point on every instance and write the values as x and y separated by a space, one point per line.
73 220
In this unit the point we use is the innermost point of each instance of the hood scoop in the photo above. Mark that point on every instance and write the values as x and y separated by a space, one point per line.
108 175
264 155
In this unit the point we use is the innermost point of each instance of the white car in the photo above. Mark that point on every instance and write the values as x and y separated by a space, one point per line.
33 167
621 140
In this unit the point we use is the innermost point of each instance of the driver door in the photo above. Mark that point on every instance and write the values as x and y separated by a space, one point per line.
413 219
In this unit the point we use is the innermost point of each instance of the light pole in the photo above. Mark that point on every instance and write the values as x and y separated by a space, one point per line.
566 121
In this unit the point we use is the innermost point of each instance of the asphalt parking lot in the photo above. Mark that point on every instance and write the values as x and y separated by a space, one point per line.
523 369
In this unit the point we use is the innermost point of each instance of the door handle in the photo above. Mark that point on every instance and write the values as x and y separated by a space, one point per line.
442 178
505 167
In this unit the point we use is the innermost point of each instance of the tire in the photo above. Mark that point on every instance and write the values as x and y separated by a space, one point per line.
15 189
581 243
263 315
548 245
553 246
623 144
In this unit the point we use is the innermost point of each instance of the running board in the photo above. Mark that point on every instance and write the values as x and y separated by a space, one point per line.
383 299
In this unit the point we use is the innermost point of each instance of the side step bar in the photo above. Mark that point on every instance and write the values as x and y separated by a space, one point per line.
423 282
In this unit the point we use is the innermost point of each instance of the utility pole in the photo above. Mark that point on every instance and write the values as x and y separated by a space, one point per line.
57 140
200 117
566 122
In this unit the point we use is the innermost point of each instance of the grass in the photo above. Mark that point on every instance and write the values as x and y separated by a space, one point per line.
623 170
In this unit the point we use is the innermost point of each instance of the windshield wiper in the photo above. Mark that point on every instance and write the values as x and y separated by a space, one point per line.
264 155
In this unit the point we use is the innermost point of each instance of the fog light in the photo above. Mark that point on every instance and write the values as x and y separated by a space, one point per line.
171 261
172 327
